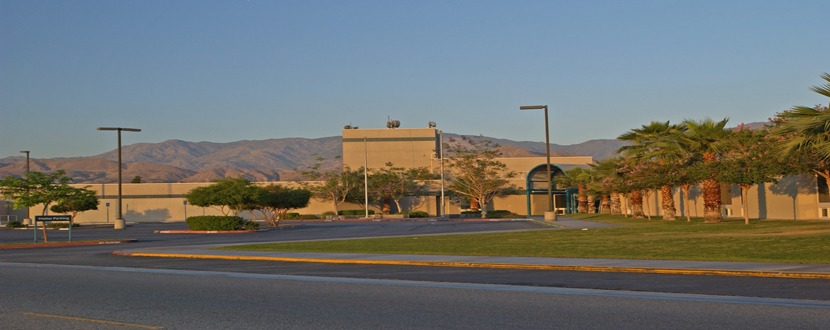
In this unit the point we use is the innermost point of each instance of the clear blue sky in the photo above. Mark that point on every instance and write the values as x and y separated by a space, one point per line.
224 71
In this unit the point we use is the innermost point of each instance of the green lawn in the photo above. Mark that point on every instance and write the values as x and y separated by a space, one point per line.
765 240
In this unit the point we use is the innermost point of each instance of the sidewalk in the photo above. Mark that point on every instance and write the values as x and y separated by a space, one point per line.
756 269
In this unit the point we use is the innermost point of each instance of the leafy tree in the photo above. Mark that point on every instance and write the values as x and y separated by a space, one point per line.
337 187
76 200
704 142
229 195
136 179
392 184
632 181
805 132
37 189
749 160
475 172
278 201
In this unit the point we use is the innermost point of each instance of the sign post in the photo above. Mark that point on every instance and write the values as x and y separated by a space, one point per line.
50 218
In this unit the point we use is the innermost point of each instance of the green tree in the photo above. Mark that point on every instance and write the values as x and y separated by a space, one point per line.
749 160
36 188
136 179
391 184
704 140
805 132
475 172
337 187
278 201
76 200
228 195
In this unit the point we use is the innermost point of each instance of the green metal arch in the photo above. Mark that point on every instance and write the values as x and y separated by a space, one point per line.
529 187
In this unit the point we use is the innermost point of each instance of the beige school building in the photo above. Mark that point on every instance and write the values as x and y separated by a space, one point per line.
792 198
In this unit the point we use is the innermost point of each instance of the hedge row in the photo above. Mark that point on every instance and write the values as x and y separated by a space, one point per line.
417 214
495 214
354 212
297 216
218 222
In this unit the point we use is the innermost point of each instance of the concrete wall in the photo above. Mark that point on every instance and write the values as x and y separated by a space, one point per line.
403 147
793 198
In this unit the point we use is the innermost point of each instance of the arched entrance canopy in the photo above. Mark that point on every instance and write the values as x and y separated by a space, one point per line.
537 183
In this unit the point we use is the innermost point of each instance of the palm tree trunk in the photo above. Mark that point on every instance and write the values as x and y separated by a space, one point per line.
590 203
669 212
582 199
711 194
616 204
686 187
646 197
637 204
744 206
605 205
711 201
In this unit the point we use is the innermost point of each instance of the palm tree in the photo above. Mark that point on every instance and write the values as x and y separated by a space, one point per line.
704 139
661 144
606 182
806 134
579 177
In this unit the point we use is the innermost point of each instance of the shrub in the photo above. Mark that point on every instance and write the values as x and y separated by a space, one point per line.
417 214
14 224
218 222
308 217
251 225
62 225
292 215
501 214
354 212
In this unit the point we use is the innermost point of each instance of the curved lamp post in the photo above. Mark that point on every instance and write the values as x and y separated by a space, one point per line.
550 215
119 222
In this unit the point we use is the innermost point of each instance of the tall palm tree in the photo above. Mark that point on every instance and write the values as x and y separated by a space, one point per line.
704 139
806 132
661 144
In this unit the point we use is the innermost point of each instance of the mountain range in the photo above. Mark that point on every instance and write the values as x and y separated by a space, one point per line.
256 160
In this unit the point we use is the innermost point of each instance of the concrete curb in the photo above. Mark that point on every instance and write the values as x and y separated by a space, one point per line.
581 268
63 244
185 231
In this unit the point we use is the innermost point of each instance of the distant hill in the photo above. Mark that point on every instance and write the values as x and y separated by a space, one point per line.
259 160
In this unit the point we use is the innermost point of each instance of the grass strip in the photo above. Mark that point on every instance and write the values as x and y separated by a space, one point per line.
761 241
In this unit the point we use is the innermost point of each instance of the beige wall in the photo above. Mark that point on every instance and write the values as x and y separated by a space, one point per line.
794 198
403 147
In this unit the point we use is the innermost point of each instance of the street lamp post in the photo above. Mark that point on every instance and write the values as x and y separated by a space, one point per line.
550 215
28 219
119 222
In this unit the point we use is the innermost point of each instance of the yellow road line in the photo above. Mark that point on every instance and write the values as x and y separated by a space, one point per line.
771 274
83 319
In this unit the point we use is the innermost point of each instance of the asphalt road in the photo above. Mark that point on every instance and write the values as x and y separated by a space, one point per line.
279 288
74 297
